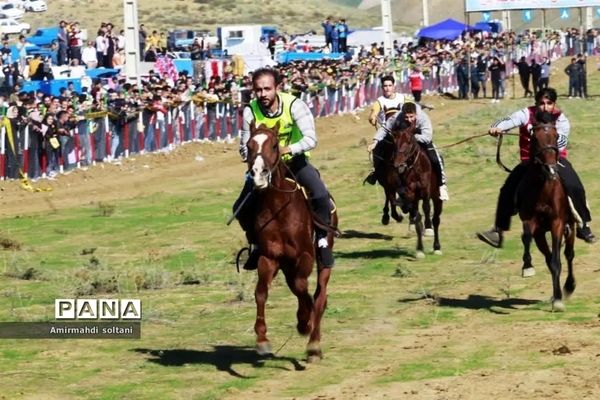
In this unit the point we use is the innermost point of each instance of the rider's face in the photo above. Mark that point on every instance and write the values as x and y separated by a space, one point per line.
545 104
265 91
410 117
388 89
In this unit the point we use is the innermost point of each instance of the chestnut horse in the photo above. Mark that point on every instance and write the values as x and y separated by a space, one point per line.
418 183
544 207
284 229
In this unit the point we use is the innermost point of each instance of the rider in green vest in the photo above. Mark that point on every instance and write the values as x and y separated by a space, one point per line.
297 136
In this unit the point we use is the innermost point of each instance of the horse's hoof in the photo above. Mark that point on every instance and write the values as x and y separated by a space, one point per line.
420 255
558 306
264 348
411 228
437 252
527 272
385 219
313 352
429 232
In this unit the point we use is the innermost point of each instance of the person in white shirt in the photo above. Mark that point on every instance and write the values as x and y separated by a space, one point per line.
88 56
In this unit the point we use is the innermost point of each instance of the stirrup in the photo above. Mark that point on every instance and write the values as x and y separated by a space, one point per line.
238 258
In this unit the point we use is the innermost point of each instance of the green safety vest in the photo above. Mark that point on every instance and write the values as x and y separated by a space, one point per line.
288 130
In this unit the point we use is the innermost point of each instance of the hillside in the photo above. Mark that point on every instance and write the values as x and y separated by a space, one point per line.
292 16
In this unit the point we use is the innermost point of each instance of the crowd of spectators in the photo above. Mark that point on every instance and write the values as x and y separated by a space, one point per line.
111 117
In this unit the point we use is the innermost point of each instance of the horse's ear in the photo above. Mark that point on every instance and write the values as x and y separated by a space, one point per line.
252 127
277 125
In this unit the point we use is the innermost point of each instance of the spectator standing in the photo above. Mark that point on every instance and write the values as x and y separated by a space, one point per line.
416 83
462 78
524 75
343 35
142 36
89 56
496 69
327 29
536 73
335 40
63 38
482 73
581 60
573 70
544 74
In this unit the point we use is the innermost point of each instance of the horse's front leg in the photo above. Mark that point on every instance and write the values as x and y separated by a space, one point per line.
527 270
437 211
557 234
542 244
569 287
266 270
313 350
415 218
297 280
427 216
385 218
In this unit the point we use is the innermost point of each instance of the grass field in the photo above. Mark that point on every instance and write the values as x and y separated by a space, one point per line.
464 325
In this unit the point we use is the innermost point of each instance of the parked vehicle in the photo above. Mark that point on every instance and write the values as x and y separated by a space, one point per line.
11 10
182 39
44 36
35 5
10 26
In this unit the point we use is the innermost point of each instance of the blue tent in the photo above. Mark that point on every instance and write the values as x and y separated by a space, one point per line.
448 29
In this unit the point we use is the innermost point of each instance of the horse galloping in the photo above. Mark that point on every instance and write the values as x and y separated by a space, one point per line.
418 183
544 207
284 228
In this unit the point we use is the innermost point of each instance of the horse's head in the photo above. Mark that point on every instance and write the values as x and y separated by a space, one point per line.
263 154
405 145
544 144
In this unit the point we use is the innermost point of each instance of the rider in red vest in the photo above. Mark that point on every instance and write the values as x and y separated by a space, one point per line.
524 119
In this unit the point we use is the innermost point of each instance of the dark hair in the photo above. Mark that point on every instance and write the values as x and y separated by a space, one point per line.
387 78
409 108
548 93
266 71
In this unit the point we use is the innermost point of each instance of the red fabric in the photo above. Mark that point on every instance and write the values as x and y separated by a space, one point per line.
525 133
416 83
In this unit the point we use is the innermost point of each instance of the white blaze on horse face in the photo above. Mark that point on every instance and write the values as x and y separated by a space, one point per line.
261 179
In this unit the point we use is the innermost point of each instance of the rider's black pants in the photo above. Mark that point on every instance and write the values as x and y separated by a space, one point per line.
573 186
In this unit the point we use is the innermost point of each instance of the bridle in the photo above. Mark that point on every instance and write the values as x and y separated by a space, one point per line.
540 151
273 168
414 149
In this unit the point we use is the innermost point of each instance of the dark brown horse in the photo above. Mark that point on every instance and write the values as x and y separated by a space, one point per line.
418 183
284 230
544 207
389 181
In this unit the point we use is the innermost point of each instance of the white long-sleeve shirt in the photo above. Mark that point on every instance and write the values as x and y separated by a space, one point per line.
423 127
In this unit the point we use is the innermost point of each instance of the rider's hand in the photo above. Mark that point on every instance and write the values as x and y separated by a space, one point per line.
286 150
373 121
372 146
494 131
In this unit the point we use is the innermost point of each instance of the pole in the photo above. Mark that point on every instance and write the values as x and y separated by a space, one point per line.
132 41
544 21
425 7
386 22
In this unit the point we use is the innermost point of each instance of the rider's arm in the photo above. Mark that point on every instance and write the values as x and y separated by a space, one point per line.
383 130
375 109
306 123
247 119
512 121
563 127
424 127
